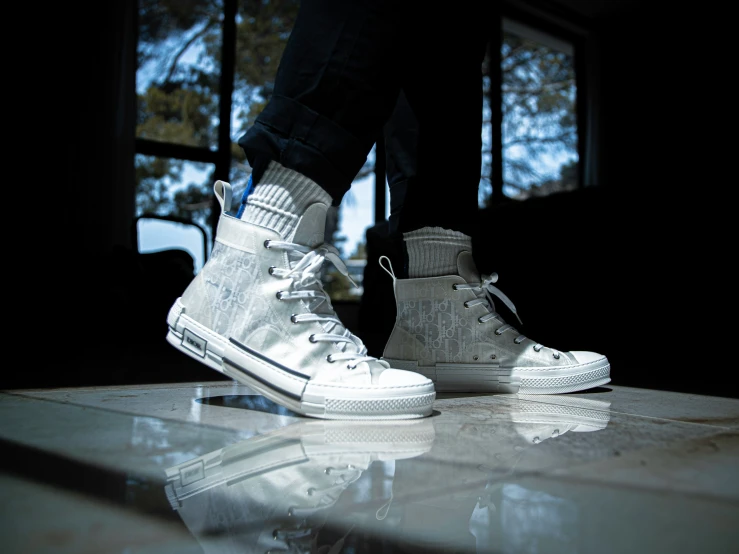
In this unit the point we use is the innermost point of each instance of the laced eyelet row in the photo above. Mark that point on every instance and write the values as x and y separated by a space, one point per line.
308 275
555 355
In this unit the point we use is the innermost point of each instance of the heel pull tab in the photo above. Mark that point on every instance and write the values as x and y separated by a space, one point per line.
389 269
224 194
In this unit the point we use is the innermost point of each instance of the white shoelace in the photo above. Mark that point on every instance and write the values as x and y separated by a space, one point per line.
486 286
306 285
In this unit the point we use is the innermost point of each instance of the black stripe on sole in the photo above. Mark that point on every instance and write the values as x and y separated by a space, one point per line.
261 380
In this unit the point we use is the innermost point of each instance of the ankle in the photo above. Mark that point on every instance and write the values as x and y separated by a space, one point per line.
280 198
433 251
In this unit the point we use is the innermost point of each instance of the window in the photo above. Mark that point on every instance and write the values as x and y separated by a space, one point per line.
206 69
539 131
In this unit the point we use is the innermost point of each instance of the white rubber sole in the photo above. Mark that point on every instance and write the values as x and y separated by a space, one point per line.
479 378
289 388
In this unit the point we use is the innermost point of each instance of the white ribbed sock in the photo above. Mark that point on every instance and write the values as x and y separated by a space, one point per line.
433 251
280 198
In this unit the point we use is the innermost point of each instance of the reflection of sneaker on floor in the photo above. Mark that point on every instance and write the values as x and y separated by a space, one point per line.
537 420
447 329
272 491
258 313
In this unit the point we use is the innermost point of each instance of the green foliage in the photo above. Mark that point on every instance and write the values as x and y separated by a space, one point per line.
180 48
177 115
539 117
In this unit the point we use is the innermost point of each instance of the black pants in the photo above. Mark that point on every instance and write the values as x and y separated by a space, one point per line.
339 82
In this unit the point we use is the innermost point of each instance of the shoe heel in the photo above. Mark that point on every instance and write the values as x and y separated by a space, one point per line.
192 339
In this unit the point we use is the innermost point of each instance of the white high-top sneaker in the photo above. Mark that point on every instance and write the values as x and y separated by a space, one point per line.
258 313
447 329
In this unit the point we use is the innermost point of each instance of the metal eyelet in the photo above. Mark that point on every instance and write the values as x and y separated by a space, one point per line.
294 318
279 294
517 341
556 356
349 367
271 270
475 358
498 333
266 244
454 287
492 356
329 359
479 320
312 339
465 305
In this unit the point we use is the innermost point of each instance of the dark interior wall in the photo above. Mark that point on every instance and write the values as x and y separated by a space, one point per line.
628 268
101 318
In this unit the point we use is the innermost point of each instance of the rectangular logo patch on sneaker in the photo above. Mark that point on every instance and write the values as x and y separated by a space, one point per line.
194 343
192 473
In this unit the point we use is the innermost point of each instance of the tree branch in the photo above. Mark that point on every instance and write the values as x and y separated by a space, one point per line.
181 52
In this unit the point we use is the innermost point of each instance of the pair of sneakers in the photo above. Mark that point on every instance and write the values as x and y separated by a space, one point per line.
257 312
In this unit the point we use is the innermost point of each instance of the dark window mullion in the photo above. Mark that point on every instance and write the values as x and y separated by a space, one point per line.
228 70
176 151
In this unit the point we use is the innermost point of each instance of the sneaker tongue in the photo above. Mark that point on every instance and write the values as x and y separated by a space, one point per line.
466 267
311 228
310 231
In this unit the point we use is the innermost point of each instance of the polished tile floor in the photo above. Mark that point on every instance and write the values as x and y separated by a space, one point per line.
213 468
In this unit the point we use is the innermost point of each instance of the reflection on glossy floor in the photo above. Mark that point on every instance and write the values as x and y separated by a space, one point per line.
212 468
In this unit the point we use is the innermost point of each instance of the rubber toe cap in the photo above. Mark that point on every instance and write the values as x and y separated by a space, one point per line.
584 357
402 378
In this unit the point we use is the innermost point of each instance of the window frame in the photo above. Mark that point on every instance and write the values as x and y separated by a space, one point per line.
556 21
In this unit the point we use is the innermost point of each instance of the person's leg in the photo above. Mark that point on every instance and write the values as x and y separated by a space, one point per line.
257 310
443 85
336 85
447 326
401 156
433 138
